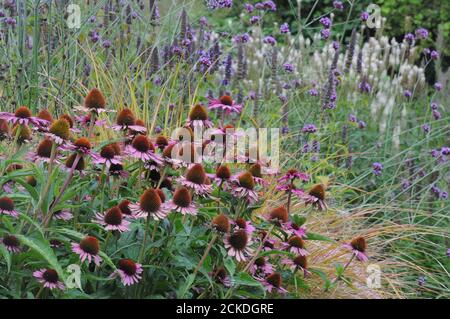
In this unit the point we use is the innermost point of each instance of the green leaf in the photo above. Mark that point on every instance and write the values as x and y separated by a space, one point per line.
322 275
43 248
7 255
299 220
245 279
315 236
185 287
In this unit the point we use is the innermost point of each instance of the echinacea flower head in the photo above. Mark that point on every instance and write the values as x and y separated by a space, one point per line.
95 100
241 223
59 131
161 142
45 115
293 174
316 197
198 117
221 223
128 271
299 262
261 267
150 204
7 207
112 219
182 202
43 152
296 245
279 215
244 187
220 276
4 129
108 156
223 173
358 246
237 244
127 121
142 148
63 214
82 145
23 116
88 249
49 278
11 243
196 180
124 206
226 104
273 282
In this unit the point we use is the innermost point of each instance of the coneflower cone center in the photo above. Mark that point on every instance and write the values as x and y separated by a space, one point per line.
318 191
221 223
241 222
60 128
141 143
127 266
107 152
50 275
198 112
226 100
301 261
68 119
11 241
359 243
45 115
113 216
44 148
296 242
182 197
95 100
23 112
126 118
279 213
6 203
90 245
274 279
223 172
246 180
150 201
124 207
255 170
196 174
260 261
238 240
83 142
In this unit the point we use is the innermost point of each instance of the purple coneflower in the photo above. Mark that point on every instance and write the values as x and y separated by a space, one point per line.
358 246
59 131
243 187
261 267
142 148
299 262
127 121
246 225
11 243
221 223
94 103
196 180
23 116
107 156
296 245
151 204
112 220
237 244
198 117
7 207
63 214
88 248
226 104
128 271
49 277
273 282
316 197
182 202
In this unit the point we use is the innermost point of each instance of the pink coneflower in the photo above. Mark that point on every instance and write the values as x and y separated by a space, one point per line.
149 204
7 207
237 244
11 243
278 215
85 121
112 220
296 230
299 262
241 223
125 209
82 146
358 246
225 103
117 170
94 103
196 180
161 142
107 156
128 271
261 267
59 131
49 277
296 245
168 156
23 116
63 214
127 121
142 148
222 176
273 282
316 197
293 174
255 170
243 187
43 152
198 117
4 129
23 133
88 248
182 202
